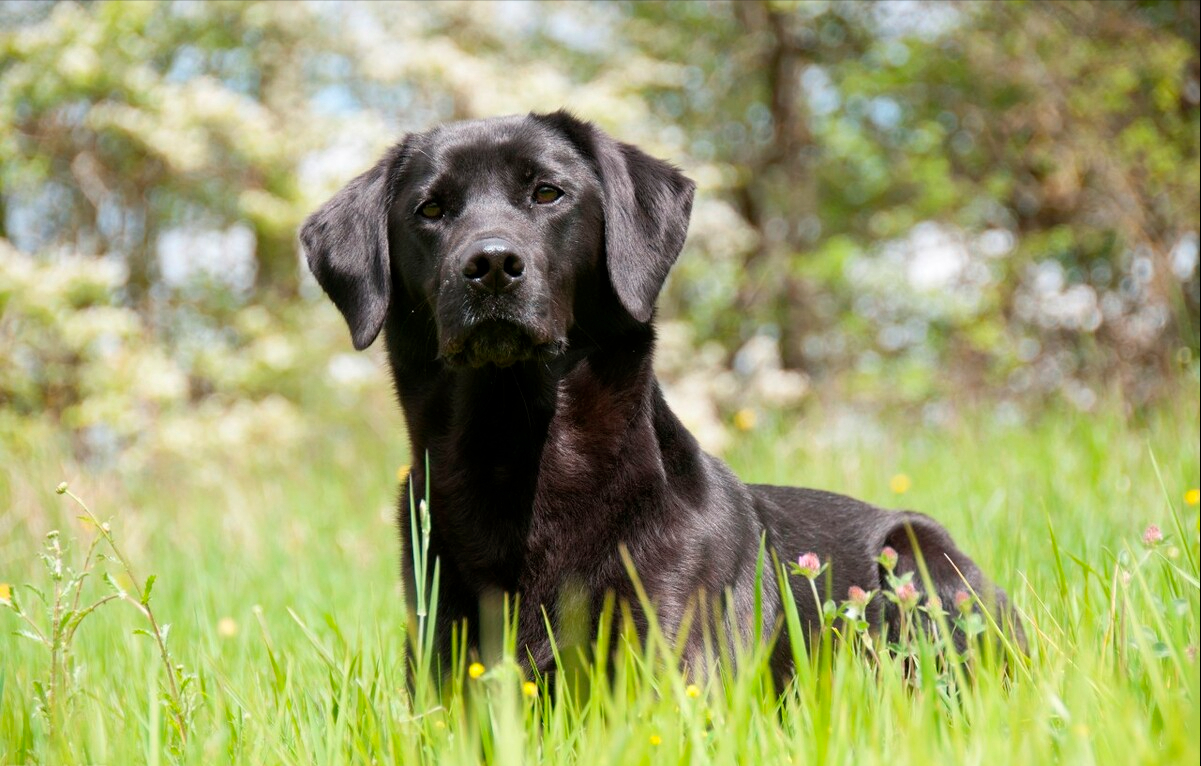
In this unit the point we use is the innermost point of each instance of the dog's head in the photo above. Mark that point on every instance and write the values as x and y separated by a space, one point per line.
494 225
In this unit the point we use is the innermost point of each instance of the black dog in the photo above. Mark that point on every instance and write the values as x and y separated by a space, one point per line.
513 264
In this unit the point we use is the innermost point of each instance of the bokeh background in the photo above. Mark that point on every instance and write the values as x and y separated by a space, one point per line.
914 208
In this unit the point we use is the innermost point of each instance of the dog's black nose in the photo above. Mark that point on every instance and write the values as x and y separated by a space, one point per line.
491 264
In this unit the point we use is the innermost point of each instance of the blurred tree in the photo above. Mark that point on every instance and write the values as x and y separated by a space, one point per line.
1069 129
937 195
122 120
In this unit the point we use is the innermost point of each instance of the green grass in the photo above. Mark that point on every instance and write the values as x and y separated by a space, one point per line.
278 575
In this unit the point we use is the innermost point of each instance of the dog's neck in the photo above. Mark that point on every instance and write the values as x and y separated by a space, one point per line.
512 450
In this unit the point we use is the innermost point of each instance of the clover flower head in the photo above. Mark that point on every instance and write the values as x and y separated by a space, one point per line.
858 596
809 565
907 595
963 602
888 558
1152 536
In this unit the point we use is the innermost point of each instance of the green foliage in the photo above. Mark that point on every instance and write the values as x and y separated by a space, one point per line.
999 123
123 120
64 610
1007 192
76 357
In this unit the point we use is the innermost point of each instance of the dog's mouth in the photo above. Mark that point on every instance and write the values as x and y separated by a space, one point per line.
499 342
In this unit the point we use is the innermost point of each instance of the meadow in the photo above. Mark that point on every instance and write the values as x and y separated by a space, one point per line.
278 577
903 209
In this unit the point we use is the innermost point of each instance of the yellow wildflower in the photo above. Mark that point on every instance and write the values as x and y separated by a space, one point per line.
475 670
745 419
6 593
693 691
900 484
656 740
529 689
1192 497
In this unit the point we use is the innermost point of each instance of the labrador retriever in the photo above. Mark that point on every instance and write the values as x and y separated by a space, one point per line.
513 266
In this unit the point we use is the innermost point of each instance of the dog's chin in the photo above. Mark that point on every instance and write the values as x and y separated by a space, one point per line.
501 344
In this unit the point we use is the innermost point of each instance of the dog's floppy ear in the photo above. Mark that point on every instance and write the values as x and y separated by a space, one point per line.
647 204
346 245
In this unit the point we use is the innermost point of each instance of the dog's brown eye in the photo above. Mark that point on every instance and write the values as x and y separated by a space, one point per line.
431 210
544 194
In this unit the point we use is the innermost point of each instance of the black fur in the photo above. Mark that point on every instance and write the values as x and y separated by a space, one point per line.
550 445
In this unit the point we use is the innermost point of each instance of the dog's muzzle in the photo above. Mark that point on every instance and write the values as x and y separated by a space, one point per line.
491 315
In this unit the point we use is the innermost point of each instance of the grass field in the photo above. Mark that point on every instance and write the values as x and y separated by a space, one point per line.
278 576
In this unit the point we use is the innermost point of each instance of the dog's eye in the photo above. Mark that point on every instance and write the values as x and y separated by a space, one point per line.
431 210
546 194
